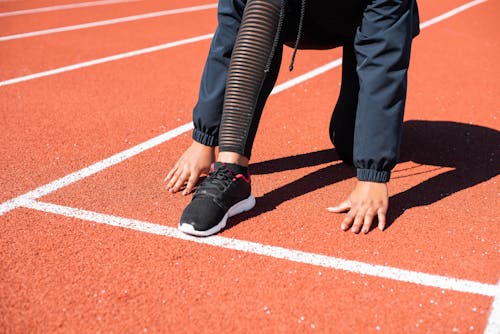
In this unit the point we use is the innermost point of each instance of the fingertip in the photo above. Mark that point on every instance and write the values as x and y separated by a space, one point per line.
189 188
191 183
381 220
355 228
176 188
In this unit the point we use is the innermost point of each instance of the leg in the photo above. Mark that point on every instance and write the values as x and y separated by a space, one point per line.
226 191
248 85
207 113
344 115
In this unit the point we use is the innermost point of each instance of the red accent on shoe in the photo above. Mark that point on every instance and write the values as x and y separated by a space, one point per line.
245 178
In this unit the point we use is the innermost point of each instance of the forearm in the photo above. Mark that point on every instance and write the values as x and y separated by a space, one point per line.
383 46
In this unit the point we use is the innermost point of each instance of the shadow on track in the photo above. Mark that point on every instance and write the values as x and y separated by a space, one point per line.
470 150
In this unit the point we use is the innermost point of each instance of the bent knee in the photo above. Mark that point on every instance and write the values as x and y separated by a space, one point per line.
343 147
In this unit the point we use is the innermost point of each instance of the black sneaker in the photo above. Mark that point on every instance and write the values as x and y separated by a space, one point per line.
221 195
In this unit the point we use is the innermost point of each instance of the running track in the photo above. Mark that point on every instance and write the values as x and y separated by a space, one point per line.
96 100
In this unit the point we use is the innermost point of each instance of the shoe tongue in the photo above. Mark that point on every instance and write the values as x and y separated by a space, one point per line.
234 168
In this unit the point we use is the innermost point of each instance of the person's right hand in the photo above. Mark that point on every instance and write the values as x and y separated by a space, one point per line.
194 162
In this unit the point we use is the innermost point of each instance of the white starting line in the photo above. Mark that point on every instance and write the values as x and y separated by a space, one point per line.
357 267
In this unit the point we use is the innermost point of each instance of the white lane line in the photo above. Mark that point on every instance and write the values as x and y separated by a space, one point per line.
493 325
105 60
62 7
119 157
92 169
159 47
402 275
451 13
306 76
108 22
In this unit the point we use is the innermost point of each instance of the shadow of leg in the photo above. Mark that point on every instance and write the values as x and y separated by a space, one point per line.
294 162
311 182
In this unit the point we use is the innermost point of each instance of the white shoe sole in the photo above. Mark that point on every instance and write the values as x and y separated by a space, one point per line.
242 206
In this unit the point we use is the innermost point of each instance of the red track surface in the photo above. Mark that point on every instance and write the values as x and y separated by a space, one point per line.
61 274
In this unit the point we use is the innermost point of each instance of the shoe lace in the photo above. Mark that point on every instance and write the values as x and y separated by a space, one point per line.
218 179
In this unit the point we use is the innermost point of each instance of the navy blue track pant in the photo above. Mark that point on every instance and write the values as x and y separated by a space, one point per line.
376 39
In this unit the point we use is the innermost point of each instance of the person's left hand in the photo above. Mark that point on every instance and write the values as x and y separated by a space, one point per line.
367 201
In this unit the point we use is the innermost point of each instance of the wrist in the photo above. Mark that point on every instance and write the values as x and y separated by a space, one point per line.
373 175
202 146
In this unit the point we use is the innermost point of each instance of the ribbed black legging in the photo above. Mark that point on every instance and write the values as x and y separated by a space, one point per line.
248 85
